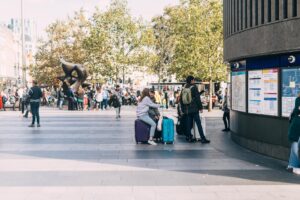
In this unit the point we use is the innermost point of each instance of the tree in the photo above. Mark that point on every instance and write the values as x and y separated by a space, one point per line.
113 38
196 28
64 39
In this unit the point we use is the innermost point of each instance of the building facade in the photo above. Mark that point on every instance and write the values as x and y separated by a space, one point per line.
262 48
9 69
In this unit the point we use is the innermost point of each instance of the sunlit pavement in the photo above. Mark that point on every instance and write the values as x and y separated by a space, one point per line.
91 155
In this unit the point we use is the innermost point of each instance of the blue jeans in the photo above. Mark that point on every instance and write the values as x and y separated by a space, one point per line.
294 156
148 120
104 104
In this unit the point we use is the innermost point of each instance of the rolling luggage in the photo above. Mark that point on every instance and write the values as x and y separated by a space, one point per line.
168 130
142 131
195 130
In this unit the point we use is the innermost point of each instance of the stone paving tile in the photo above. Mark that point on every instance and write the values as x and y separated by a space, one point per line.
90 155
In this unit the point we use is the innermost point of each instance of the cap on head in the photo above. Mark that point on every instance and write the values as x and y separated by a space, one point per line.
189 79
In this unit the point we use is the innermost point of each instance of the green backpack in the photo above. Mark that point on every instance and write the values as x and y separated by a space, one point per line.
186 95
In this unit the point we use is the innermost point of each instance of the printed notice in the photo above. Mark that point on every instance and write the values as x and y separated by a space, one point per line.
238 91
290 89
263 92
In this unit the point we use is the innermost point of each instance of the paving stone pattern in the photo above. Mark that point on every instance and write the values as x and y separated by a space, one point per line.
91 155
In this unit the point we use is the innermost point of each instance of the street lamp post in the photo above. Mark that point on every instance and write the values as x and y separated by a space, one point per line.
22 40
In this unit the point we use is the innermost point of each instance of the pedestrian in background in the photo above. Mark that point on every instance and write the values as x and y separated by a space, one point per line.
116 101
294 137
35 94
226 112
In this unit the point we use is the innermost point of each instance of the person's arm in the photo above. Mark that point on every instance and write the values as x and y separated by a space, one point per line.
196 97
296 110
149 103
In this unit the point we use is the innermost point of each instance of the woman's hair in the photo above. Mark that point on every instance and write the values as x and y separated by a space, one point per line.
145 93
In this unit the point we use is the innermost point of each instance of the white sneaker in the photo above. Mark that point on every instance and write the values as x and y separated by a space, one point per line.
151 142
296 171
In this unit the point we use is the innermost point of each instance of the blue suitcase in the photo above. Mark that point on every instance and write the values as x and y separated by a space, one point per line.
168 130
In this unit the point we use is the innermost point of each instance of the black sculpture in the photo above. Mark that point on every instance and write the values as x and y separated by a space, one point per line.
75 75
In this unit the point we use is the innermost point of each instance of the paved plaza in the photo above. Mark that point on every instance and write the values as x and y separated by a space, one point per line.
92 156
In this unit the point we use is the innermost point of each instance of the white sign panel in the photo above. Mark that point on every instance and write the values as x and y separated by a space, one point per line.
238 93
263 92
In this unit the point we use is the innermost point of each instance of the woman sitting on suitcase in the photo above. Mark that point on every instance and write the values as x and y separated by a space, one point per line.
142 112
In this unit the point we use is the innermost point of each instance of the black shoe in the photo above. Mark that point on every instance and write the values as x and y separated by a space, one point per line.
31 125
204 141
38 125
25 116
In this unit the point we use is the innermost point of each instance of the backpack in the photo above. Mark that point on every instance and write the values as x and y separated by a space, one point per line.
186 95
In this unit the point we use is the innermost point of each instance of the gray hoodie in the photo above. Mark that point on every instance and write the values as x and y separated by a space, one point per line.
143 106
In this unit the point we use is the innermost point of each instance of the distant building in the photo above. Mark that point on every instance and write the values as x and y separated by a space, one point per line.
30 37
9 69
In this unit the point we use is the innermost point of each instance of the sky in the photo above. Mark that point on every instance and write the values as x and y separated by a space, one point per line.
46 11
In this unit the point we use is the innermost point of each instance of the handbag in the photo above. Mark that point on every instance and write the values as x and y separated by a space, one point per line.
159 124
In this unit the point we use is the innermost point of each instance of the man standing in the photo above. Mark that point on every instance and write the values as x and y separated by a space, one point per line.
191 105
226 113
35 94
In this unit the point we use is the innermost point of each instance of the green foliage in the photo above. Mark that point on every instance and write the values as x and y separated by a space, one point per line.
186 40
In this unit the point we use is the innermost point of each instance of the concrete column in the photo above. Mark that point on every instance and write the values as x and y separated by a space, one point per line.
280 9
259 12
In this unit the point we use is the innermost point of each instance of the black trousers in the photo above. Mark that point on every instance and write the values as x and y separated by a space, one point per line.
189 123
35 110
226 119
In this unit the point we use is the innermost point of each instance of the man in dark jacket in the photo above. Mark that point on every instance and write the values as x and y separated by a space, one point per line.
191 105
35 94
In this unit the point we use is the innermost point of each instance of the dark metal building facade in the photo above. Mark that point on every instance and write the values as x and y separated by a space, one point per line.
261 37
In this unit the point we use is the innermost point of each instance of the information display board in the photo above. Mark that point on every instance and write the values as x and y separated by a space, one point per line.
263 92
238 91
290 89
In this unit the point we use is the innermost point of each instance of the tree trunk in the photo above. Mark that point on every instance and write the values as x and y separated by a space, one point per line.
210 95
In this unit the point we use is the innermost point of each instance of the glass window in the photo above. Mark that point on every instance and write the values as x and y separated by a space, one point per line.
262 11
294 8
256 12
269 10
251 14
285 9
276 9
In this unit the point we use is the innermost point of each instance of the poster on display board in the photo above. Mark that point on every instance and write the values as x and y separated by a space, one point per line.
290 89
238 91
263 92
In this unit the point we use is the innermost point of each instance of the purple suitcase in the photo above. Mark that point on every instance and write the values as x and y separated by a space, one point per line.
142 131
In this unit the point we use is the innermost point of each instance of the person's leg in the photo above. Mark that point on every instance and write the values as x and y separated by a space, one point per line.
23 106
228 120
38 113
105 103
149 121
196 117
188 126
225 120
119 112
33 111
294 157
